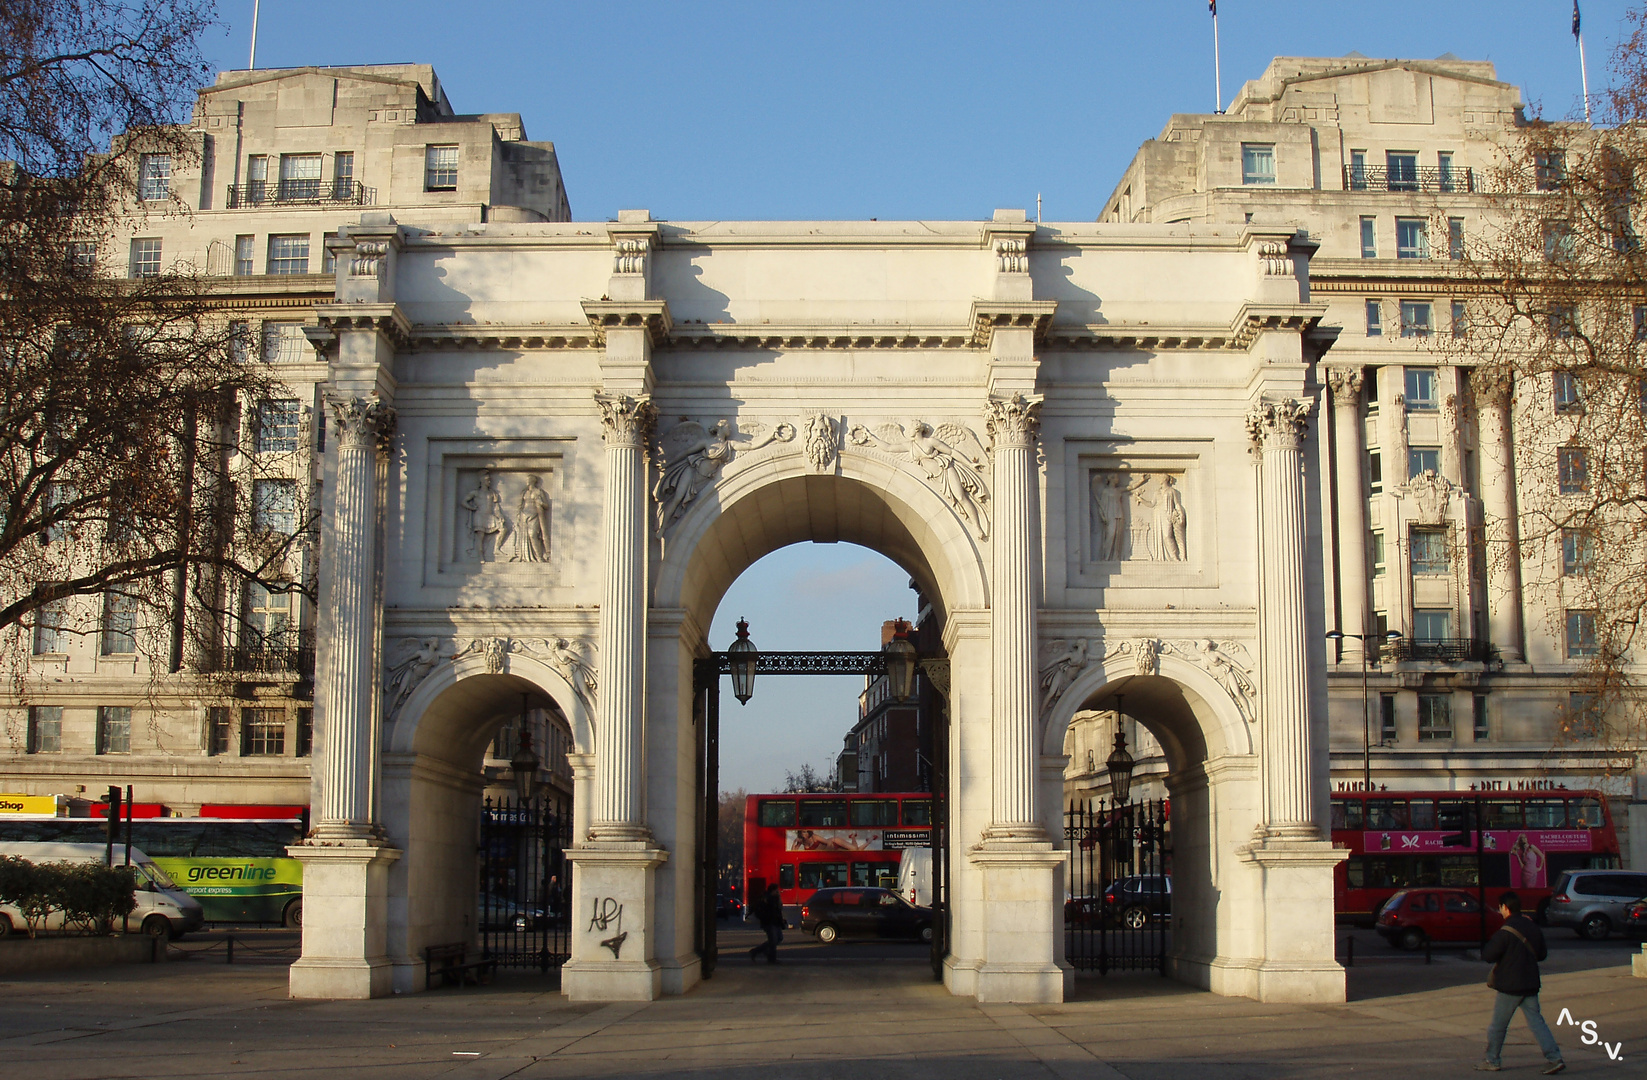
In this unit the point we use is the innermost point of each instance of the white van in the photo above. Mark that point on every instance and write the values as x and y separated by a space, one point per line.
915 876
162 908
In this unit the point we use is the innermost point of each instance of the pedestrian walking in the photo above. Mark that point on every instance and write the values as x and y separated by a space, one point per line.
1514 951
769 910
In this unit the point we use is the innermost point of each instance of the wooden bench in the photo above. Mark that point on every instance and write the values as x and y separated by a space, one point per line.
452 964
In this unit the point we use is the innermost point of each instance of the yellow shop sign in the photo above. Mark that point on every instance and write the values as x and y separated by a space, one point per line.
32 805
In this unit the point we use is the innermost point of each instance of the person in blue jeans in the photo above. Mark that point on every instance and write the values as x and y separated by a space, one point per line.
1514 951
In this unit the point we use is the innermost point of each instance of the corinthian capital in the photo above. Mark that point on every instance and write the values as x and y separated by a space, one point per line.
1278 425
361 422
625 420
1013 421
1345 384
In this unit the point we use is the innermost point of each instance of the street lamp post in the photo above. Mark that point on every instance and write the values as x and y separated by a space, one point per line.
1366 705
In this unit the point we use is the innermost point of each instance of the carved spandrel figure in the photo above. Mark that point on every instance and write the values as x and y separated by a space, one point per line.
532 522
936 453
405 675
488 527
692 456
1063 669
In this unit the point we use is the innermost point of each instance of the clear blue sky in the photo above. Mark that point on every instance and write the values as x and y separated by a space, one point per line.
718 109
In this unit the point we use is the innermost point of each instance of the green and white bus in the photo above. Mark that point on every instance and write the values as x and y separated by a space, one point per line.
237 869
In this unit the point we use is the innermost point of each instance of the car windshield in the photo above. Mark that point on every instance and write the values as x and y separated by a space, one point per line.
158 875
1394 902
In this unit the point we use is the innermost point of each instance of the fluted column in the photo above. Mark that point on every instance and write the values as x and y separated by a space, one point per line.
1345 384
1277 428
627 423
1013 425
1498 506
345 796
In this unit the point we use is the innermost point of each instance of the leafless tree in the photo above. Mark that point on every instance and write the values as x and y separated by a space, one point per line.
809 780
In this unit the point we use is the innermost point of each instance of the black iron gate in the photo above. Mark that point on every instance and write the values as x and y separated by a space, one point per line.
525 885
1119 914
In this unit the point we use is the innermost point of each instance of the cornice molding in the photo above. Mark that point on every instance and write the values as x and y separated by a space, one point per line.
989 316
651 315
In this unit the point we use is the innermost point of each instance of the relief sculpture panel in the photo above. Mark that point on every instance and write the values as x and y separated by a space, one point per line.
1138 516
503 515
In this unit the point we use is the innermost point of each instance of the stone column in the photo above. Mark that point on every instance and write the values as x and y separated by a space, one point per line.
1345 384
1497 463
1277 428
345 809
627 423
1012 425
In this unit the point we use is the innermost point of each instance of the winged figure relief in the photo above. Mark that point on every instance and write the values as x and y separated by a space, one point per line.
941 454
1229 663
692 455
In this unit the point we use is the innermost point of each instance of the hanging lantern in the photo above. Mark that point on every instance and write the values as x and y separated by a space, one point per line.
742 656
1120 762
900 661
525 762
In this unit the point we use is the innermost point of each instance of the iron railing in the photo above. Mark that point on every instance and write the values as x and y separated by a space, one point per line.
1120 880
1422 178
524 905
300 193
292 654
1440 650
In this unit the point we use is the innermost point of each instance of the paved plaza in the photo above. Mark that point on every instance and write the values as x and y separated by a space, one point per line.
814 1016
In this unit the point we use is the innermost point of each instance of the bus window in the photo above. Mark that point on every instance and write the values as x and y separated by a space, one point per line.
823 875
874 813
917 811
1352 870
1501 814
1386 813
826 813
779 812
860 874
1452 814
1546 814
1422 813
886 876
1352 812
1585 813
1457 872
786 876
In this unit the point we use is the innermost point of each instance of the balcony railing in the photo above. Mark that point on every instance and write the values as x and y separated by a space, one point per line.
1440 650
1427 178
301 193
288 655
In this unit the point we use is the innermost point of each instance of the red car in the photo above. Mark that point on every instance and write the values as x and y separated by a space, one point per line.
1413 916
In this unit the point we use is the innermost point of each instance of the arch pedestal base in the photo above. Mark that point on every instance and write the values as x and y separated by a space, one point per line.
345 921
613 919
1022 933
1296 935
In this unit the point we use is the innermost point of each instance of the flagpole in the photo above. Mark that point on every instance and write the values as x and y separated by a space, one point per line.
252 63
1584 75
1217 68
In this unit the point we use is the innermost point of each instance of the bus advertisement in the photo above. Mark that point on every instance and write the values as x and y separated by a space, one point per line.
818 841
1491 841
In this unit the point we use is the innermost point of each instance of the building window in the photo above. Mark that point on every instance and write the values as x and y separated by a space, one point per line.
1581 634
240 341
1257 163
82 257
1478 718
1402 169
1583 720
274 506
1412 238
50 638
1461 320
1455 238
289 254
299 176
1377 553
155 177
257 178
114 729
1429 547
306 734
1559 241
1563 321
145 261
245 256
1572 470
1415 319
119 623
1432 624
1375 472
1358 171
275 425
268 617
440 168
1435 717
1549 170
219 731
262 732
1641 322
343 174
285 343
1420 388
1565 388
1423 459
1577 552
1369 238
1375 319
1386 718
1444 170
45 729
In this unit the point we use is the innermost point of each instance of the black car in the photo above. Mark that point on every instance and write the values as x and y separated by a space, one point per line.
728 906
864 912
1140 898
1635 920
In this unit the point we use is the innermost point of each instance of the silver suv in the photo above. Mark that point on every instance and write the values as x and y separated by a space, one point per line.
1593 902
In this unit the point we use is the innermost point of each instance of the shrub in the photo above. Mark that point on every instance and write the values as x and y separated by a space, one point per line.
90 896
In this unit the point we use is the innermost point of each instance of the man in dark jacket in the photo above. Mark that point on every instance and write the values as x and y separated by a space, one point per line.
1514 951
769 910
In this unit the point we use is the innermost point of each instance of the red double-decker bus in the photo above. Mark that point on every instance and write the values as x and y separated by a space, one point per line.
820 841
1494 840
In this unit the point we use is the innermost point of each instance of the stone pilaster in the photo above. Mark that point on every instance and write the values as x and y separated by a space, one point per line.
627 424
1277 429
1498 504
1345 385
349 684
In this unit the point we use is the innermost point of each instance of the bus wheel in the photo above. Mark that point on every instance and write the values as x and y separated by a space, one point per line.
293 916
1412 939
157 926
826 933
